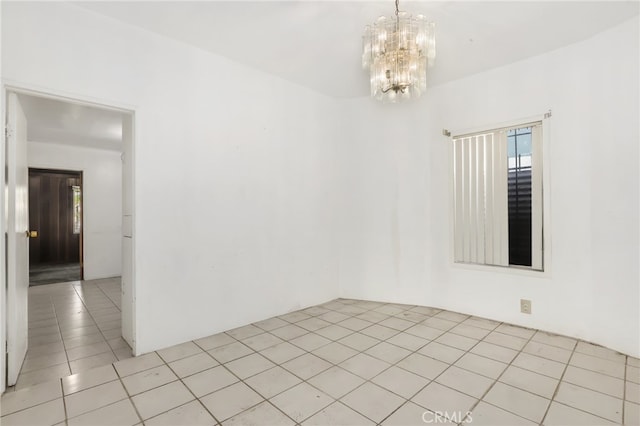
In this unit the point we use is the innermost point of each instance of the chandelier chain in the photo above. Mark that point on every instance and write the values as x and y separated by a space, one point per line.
397 7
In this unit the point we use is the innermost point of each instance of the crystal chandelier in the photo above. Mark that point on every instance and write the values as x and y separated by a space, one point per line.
397 52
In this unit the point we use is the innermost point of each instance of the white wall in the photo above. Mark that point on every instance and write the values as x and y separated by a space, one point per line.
397 244
234 169
102 201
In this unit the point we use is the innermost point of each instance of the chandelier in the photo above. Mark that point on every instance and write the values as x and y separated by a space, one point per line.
397 52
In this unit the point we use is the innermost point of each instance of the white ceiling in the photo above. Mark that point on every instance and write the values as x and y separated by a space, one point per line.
50 120
318 43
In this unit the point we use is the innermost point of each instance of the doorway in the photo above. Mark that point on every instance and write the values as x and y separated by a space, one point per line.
55 223
29 145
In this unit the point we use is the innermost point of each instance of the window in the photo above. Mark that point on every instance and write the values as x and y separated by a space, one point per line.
77 214
498 197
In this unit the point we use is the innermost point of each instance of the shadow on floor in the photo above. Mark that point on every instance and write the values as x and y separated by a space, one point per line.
53 273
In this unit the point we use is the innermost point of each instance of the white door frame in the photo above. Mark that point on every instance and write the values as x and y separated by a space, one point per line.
130 111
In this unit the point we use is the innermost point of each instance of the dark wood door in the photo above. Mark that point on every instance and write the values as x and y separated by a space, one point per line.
51 213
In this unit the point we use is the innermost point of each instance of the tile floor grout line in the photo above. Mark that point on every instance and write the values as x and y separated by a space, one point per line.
96 323
555 392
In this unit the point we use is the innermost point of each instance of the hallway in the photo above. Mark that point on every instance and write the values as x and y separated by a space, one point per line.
73 326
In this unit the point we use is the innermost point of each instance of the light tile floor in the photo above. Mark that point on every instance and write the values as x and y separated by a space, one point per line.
73 326
350 362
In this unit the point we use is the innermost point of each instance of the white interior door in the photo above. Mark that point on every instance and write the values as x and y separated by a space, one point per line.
17 238
128 298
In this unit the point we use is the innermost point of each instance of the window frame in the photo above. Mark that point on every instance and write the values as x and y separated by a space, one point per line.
545 120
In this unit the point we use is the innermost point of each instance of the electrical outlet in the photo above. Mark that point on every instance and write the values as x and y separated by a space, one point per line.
525 306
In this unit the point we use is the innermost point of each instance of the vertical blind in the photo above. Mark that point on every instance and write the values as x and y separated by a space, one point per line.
481 222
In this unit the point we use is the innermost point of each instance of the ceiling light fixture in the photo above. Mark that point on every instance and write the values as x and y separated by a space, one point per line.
397 52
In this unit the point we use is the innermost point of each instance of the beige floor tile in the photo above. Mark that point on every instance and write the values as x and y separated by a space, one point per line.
337 414
289 332
470 331
35 395
439 323
259 415
301 401
407 341
209 381
88 350
590 401
271 324
310 341
522 403
539 365
423 365
421 330
505 340
282 352
354 324
31 378
514 330
159 400
88 379
397 323
91 362
359 342
336 382
273 381
224 354
365 366
600 352
411 414
49 413
249 365
631 413
217 340
333 317
148 379
594 381
293 317
372 401
230 401
306 366
244 332
414 317
388 352
457 341
75 342
633 374
379 332
465 381
441 352
192 413
445 401
177 352
599 365
562 415
120 413
262 341
335 352
481 365
43 361
632 392
547 351
313 324
499 353
131 366
35 352
554 340
528 380
634 362
401 382
334 332
193 364
94 398
489 415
